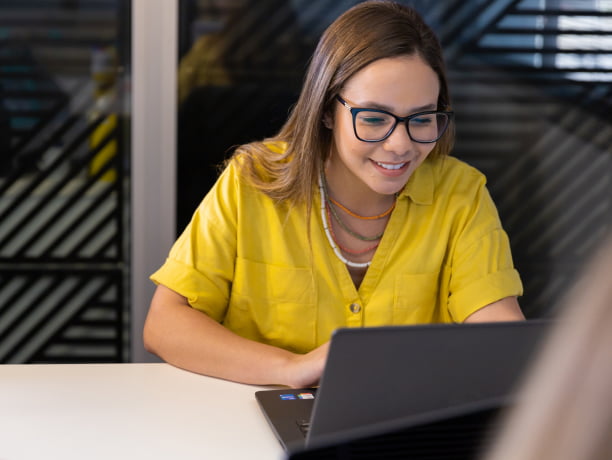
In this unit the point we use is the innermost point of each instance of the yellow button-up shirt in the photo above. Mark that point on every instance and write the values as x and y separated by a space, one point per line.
246 261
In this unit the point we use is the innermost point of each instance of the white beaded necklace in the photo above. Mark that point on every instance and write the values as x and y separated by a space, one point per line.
326 225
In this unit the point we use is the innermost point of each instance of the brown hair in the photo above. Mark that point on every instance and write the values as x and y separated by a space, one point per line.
365 33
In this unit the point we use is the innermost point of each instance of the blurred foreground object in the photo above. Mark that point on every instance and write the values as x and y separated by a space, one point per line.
565 408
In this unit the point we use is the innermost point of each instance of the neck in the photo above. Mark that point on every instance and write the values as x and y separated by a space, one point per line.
361 200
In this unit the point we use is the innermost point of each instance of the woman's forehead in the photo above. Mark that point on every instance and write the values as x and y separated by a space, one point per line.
394 84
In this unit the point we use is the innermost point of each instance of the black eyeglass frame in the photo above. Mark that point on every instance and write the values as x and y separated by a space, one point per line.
355 110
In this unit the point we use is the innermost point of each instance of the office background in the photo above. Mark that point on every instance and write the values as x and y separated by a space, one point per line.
114 114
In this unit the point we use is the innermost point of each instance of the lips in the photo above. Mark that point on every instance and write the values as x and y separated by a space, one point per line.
391 166
391 169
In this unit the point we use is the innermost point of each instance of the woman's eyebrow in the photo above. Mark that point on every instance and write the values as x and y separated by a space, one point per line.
425 108
375 105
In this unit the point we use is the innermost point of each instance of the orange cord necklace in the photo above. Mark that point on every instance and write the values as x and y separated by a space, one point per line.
353 214
343 248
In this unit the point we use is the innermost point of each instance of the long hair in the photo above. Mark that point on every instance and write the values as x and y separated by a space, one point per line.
367 32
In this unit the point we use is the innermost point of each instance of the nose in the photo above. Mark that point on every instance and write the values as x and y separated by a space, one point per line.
399 141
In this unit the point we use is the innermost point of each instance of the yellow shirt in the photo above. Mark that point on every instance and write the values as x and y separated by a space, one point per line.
247 263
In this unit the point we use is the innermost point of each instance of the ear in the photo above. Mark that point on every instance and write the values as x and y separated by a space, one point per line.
328 121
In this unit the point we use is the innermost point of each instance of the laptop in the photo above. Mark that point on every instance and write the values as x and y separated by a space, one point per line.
389 378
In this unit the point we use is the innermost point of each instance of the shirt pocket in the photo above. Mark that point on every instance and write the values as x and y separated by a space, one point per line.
274 304
416 298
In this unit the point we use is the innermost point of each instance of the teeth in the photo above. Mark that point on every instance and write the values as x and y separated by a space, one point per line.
389 166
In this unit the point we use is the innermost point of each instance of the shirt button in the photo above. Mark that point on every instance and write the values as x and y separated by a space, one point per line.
355 308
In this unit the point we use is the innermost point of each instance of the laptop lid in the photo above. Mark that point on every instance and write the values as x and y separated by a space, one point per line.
376 375
386 373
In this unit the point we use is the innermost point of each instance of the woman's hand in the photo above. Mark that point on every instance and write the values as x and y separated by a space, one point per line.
305 370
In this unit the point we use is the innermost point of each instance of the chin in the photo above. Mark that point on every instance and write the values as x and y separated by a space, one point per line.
390 189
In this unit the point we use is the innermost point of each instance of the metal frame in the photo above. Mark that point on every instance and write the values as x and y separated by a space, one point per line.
154 63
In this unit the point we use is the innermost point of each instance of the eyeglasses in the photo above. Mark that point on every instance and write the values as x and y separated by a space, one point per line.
374 125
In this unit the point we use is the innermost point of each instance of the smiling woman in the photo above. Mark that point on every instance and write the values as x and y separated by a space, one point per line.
383 163
256 284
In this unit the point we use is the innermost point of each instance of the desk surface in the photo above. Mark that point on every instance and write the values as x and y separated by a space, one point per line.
132 411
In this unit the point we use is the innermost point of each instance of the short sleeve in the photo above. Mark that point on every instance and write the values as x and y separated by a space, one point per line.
482 269
200 264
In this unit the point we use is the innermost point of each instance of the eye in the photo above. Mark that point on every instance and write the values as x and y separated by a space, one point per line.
422 120
373 118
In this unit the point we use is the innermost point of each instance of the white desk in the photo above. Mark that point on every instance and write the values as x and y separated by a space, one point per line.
128 411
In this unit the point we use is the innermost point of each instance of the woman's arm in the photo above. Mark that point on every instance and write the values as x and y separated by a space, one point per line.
506 309
189 339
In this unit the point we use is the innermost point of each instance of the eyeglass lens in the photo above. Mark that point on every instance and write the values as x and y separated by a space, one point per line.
374 126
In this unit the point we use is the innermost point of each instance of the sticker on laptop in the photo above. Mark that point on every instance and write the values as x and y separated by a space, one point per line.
291 396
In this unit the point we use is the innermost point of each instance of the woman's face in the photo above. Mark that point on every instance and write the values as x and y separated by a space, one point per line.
401 85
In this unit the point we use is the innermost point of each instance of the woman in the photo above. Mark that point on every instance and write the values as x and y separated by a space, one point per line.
353 215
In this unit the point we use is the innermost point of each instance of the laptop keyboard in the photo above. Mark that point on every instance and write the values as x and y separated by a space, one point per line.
303 425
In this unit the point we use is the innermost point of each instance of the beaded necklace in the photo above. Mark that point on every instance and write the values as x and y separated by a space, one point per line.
326 228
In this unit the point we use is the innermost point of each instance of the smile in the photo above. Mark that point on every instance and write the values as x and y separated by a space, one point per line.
391 166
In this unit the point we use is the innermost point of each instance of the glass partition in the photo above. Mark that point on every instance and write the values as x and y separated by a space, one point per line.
64 160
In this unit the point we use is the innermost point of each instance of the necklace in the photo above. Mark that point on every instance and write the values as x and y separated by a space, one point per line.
350 251
326 227
354 214
346 228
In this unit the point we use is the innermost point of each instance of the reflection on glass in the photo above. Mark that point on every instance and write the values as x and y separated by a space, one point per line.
62 180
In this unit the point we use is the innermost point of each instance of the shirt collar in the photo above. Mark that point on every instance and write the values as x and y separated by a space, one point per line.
420 186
